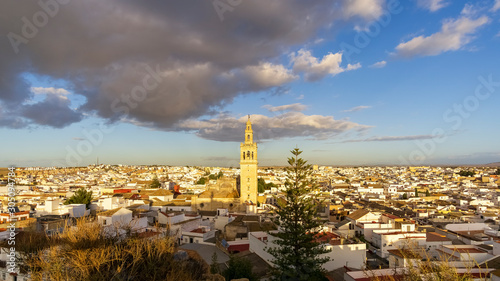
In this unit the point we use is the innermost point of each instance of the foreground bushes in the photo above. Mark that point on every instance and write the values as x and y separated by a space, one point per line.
85 252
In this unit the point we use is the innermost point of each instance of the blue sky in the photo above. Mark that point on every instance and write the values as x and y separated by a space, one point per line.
360 82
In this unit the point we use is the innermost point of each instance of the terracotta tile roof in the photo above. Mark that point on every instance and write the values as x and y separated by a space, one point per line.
391 216
405 253
325 237
198 230
358 214
171 203
161 192
109 213
469 250
184 196
435 237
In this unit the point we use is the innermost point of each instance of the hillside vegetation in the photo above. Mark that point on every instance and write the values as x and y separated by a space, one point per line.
84 252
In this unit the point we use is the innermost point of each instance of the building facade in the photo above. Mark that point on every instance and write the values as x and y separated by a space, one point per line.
248 167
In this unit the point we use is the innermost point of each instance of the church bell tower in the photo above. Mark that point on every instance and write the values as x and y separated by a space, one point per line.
248 167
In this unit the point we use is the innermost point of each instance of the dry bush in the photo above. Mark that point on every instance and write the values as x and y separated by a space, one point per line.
85 252
85 234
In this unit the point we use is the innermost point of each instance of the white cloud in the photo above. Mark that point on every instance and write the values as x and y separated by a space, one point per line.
454 34
286 125
496 6
366 9
301 97
319 40
469 10
357 108
379 64
432 5
304 61
353 66
286 107
359 28
60 92
269 75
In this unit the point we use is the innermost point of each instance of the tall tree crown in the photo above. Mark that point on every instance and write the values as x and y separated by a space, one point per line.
297 255
81 196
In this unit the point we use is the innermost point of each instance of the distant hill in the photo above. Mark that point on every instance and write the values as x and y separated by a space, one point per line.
496 164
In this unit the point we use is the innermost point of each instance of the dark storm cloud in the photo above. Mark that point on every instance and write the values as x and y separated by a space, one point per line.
104 49
53 111
10 120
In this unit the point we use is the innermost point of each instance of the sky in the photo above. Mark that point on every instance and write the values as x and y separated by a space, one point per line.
349 82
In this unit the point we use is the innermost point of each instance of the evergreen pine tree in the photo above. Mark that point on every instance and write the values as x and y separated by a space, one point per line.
81 196
155 183
261 185
297 254
202 180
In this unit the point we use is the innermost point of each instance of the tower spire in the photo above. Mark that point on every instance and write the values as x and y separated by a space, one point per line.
248 166
248 131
